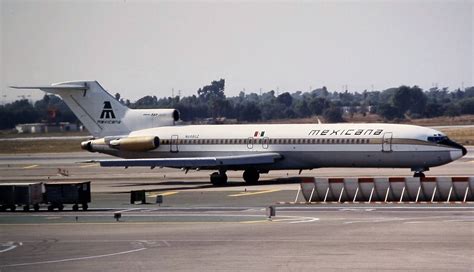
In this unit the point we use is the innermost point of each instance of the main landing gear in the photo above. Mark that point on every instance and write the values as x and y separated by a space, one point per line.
251 176
219 178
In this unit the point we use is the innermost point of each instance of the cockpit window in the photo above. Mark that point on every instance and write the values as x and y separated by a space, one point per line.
437 139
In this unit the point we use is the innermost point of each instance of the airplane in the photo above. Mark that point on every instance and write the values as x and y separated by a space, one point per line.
152 138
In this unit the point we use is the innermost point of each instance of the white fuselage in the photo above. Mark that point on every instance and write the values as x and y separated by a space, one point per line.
304 146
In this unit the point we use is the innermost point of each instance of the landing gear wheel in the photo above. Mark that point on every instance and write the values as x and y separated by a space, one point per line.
251 176
50 208
419 175
36 207
60 207
85 206
218 179
26 208
75 207
12 208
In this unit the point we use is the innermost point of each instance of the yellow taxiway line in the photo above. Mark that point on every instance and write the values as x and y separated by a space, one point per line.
254 193
30 166
162 194
88 165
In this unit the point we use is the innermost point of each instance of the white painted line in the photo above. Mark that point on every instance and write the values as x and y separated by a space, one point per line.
129 210
9 245
76 259
254 193
307 220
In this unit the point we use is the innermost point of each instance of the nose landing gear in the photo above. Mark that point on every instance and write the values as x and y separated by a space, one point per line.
418 175
419 172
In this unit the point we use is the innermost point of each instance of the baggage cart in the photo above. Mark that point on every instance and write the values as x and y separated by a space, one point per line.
76 193
21 194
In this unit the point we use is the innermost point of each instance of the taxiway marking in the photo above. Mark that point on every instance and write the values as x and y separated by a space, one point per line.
31 166
87 165
254 193
162 194
9 245
77 259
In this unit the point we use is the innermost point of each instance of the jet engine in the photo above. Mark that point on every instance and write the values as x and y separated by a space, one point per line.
134 143
138 143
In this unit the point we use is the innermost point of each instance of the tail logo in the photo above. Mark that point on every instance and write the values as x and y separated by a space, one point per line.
107 112
107 116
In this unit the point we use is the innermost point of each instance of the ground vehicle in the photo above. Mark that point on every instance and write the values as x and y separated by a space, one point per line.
21 194
59 193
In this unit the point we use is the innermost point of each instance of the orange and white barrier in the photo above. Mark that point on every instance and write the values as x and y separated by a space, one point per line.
388 189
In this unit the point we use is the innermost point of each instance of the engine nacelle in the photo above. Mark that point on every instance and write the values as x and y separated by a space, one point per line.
95 145
137 143
149 118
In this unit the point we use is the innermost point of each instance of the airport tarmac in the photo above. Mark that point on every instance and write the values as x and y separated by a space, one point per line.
202 228
328 238
67 167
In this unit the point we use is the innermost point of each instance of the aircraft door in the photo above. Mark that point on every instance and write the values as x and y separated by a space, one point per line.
265 142
174 144
387 142
249 142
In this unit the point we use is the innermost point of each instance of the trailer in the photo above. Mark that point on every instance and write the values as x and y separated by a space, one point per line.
59 193
21 194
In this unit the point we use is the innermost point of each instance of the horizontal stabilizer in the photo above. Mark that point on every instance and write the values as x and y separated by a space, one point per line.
204 162
59 87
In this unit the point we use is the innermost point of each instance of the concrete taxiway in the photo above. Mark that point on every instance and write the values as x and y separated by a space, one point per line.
202 228
329 238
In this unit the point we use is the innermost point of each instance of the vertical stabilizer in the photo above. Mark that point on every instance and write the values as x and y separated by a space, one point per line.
100 112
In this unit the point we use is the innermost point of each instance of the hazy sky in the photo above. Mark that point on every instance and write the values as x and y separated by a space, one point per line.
142 48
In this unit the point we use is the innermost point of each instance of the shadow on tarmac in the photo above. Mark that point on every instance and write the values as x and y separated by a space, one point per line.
192 185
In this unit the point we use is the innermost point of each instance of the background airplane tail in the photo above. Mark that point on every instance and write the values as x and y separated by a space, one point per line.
101 113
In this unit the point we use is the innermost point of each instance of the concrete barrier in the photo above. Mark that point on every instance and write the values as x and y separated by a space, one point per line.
388 189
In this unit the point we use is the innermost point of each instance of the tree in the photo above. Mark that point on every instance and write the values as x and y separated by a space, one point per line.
409 100
389 112
249 112
333 115
318 104
216 90
302 108
285 99
466 106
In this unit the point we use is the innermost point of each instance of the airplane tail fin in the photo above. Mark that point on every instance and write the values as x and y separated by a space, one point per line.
100 112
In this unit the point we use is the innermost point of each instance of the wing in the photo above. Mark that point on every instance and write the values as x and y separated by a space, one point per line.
198 162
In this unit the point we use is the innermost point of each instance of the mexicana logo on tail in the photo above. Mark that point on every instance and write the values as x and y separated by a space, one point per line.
108 113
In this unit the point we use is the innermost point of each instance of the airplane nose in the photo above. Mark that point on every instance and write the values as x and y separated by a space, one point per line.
464 151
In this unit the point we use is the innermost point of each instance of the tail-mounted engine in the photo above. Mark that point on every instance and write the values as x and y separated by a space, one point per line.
134 144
